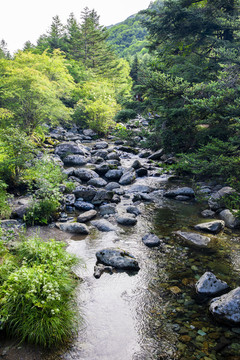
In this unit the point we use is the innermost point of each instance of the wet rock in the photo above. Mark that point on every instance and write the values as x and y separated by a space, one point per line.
127 220
73 227
182 198
226 308
113 156
184 191
101 153
209 284
213 226
142 197
128 177
100 269
97 182
85 192
74 160
114 163
127 149
141 172
101 145
102 196
114 174
136 164
119 259
230 219
107 209
133 210
194 239
86 216
67 148
85 174
112 185
217 200
157 155
145 154
102 169
83 205
103 225
151 240
140 189
208 213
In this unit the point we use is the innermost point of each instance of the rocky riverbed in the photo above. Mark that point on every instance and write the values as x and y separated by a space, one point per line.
149 247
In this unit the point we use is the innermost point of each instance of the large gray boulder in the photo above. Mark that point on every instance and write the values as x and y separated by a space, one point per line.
85 174
209 285
128 177
102 196
194 239
127 220
73 227
107 209
74 160
101 145
103 225
231 220
218 199
83 205
133 210
183 191
114 174
140 189
157 155
112 185
97 182
151 240
212 227
102 169
119 259
67 148
87 193
226 308
86 216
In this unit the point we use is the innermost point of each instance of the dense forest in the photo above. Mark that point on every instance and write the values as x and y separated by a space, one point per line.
180 58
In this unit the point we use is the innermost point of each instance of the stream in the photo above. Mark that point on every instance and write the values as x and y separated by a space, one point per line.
152 313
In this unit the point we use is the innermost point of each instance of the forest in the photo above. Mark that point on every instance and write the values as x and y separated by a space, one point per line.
181 58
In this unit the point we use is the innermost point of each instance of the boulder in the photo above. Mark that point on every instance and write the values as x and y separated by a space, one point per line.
74 160
140 189
100 153
118 259
97 182
73 227
86 216
85 174
194 239
133 210
103 225
209 285
184 191
113 156
128 177
69 199
100 269
21 206
157 155
102 196
112 185
226 308
67 148
136 164
213 226
141 172
114 174
102 169
217 200
83 205
101 145
89 132
87 193
107 209
208 213
127 220
151 240
230 219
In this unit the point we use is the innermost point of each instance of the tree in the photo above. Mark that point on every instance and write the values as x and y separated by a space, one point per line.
33 87
4 53
73 38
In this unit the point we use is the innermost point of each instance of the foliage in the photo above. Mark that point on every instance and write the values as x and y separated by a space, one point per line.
16 149
33 87
125 115
5 209
37 292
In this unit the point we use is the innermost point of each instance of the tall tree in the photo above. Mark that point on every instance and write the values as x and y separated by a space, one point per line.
73 38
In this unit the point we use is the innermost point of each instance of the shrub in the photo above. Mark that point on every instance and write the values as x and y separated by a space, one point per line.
125 115
37 295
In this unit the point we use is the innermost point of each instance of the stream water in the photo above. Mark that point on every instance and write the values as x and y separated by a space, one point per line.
151 314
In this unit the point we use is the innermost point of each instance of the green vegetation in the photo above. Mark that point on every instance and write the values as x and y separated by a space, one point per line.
37 292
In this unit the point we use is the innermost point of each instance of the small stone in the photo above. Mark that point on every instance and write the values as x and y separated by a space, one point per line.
151 240
127 220
86 216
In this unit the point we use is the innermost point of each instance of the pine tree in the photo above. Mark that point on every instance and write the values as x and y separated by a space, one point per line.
73 38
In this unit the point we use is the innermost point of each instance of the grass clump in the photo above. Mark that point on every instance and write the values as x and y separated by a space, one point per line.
37 292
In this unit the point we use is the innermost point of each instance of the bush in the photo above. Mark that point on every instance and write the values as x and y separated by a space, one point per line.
125 115
37 296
